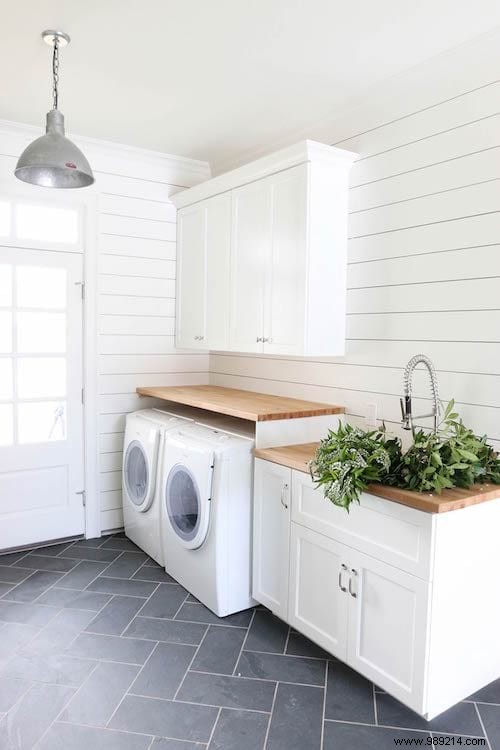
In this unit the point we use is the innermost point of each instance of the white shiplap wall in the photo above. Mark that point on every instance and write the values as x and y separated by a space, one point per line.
423 253
137 316
135 285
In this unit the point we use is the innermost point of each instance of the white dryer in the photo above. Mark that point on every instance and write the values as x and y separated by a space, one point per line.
144 435
206 515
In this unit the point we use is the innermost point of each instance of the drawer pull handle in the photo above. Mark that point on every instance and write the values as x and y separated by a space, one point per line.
354 594
341 587
283 491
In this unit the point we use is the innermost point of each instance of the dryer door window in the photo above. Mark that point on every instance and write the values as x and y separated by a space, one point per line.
187 514
136 473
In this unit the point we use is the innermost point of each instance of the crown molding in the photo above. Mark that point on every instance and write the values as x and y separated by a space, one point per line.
114 158
299 153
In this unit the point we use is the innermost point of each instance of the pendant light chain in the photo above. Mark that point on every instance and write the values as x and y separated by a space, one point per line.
52 160
55 72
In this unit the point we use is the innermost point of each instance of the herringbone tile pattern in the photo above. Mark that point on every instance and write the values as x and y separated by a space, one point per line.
100 648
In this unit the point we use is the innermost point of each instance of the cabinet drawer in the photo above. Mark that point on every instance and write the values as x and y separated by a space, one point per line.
385 530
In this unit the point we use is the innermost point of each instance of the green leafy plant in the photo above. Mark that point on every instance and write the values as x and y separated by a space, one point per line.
349 459
454 457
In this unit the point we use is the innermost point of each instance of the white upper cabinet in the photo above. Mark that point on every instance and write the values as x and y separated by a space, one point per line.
283 250
191 282
250 250
203 241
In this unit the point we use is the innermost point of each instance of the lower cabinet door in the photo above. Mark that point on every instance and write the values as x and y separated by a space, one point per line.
318 598
271 536
388 618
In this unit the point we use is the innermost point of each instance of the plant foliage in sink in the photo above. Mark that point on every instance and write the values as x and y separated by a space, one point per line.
349 459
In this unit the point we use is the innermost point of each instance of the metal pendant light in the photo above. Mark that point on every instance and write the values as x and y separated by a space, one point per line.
53 160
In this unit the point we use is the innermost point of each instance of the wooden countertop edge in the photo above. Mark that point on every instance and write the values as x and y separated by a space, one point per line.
199 402
297 457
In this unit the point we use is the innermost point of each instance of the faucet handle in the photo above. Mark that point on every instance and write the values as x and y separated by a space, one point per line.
403 410
406 412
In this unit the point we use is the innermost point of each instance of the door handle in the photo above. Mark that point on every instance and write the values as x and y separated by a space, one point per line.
283 491
354 594
342 569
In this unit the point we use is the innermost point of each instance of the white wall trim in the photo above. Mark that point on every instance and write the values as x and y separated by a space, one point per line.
114 158
286 158
90 360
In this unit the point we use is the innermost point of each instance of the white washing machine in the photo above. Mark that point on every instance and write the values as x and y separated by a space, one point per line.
206 515
144 436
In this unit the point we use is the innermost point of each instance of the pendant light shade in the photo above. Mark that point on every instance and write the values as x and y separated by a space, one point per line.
53 160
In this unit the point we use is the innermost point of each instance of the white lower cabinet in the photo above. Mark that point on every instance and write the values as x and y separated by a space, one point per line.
317 603
361 610
392 591
271 536
388 611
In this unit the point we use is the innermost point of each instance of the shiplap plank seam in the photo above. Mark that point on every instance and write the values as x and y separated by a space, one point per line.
407 116
424 224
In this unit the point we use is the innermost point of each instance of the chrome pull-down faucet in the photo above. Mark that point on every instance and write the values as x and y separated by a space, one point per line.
406 409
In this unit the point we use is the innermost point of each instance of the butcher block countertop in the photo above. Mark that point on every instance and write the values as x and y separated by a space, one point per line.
255 407
299 456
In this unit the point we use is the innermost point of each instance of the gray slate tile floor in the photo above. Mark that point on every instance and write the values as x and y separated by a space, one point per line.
101 648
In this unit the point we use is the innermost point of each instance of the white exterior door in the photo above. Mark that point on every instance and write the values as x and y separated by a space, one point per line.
41 412
318 598
388 613
271 536
286 275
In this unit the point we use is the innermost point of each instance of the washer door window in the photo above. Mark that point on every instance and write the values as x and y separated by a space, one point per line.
187 511
137 476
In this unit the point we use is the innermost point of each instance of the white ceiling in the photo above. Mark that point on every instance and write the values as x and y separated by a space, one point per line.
213 79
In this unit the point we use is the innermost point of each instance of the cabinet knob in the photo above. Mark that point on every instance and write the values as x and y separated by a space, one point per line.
264 341
259 339
341 586
354 594
284 490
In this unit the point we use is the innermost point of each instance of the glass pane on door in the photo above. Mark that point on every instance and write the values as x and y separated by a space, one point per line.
183 503
5 332
6 424
41 333
41 287
5 379
136 473
41 422
41 377
4 218
44 223
5 285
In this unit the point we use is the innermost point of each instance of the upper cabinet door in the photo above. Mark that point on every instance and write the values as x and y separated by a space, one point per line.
191 277
251 248
286 272
218 250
